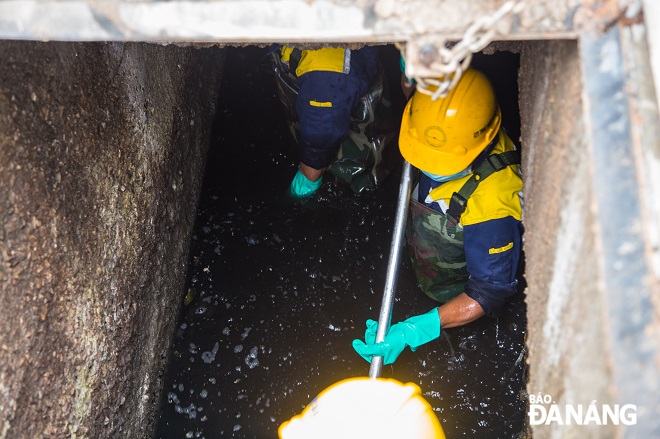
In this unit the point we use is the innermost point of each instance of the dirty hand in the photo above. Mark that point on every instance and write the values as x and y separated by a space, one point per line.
413 332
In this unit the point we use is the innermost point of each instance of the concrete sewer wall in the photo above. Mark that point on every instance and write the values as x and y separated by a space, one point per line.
102 155
567 354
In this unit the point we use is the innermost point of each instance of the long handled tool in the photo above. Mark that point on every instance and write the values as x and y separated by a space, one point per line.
393 263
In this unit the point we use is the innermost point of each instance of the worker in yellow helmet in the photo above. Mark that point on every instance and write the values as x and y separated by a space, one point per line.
331 81
465 224
358 408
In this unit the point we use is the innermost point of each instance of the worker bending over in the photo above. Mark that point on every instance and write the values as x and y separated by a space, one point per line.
331 82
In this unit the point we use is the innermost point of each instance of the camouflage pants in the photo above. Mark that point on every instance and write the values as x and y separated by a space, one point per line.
438 257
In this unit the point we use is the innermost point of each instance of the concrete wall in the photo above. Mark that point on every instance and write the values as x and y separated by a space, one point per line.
102 154
569 359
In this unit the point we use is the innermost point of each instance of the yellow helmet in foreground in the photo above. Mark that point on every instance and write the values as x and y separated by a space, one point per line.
444 136
358 408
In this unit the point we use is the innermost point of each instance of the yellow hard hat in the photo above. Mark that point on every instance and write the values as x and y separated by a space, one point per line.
357 408
444 136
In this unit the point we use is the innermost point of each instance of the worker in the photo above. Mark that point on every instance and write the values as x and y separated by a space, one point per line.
358 408
331 81
464 228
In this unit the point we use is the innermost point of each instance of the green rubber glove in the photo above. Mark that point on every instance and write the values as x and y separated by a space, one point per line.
301 187
412 332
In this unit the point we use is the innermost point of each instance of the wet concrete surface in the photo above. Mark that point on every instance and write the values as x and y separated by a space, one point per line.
277 291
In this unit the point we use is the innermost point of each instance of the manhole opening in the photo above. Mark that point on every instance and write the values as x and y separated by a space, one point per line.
276 292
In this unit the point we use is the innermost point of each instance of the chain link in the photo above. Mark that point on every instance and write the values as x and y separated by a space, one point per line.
453 61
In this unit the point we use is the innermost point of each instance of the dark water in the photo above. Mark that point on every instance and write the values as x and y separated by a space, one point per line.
278 291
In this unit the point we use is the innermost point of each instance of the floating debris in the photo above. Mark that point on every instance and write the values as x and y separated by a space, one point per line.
209 357
190 295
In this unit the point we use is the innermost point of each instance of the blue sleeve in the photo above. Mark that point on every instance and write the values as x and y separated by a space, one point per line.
492 252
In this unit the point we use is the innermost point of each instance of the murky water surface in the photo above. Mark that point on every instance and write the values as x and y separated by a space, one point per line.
276 292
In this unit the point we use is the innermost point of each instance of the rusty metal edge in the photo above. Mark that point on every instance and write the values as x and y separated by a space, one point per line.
626 276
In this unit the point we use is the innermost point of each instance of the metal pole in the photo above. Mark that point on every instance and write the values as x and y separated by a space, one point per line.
393 263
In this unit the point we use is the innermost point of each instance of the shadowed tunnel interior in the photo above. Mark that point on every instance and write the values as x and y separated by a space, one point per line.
276 292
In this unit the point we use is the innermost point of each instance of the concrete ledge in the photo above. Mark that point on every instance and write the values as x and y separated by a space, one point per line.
263 21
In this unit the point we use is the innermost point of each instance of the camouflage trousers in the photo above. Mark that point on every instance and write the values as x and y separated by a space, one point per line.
438 256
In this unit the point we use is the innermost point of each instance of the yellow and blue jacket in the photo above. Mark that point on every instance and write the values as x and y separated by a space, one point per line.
328 59
490 227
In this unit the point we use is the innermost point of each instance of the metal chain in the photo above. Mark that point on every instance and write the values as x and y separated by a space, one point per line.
452 62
